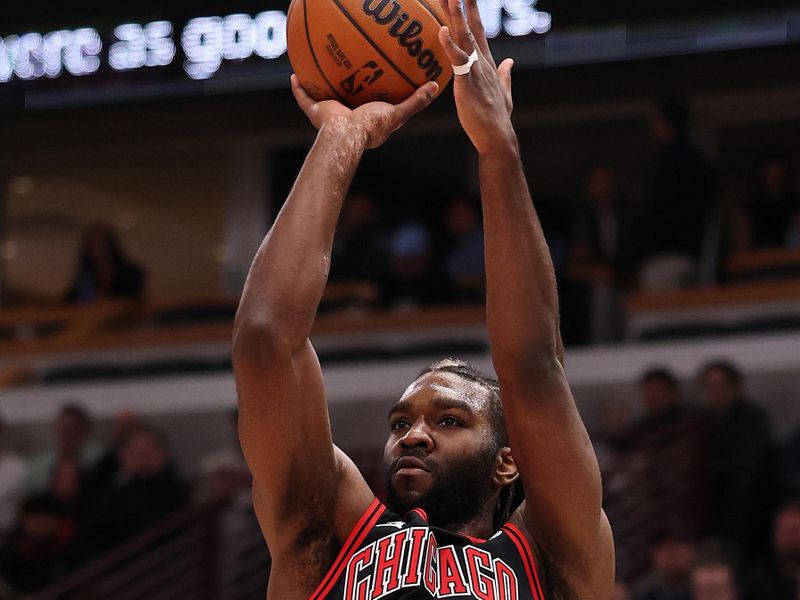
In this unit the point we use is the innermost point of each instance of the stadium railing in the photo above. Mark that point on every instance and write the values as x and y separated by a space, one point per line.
191 555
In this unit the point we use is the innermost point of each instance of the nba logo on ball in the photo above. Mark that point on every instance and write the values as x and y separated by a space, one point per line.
366 75
358 51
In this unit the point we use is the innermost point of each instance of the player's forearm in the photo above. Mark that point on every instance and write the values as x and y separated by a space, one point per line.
290 270
522 303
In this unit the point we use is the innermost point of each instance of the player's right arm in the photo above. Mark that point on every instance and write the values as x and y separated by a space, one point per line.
304 489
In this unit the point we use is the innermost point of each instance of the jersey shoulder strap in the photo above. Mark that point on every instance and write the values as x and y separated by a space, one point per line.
353 542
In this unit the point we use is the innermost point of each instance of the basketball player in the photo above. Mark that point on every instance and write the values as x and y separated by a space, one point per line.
458 442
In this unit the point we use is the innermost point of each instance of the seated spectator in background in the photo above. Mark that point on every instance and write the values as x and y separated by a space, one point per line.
742 457
605 228
106 468
671 441
767 217
61 471
793 235
715 579
672 558
621 592
225 477
412 280
359 248
464 262
601 256
778 577
680 203
42 548
224 472
790 466
145 489
103 271
12 474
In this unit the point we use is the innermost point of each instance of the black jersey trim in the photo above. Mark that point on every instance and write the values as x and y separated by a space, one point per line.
524 548
420 513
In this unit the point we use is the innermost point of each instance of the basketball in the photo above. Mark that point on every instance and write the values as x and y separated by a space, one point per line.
359 51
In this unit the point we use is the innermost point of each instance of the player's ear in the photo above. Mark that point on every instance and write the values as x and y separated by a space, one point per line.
505 471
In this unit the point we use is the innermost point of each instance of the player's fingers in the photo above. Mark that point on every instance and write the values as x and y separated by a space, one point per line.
478 32
456 55
301 95
504 74
415 103
459 27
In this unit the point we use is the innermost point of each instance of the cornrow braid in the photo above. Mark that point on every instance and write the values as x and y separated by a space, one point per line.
466 371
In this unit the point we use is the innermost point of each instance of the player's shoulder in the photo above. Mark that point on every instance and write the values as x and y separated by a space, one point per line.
562 579
314 535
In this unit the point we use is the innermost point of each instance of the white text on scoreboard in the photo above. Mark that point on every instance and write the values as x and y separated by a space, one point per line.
206 42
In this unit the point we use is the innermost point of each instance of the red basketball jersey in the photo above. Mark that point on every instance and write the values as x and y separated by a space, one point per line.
394 558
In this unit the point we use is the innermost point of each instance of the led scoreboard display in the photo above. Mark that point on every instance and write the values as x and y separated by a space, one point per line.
55 54
201 45
174 52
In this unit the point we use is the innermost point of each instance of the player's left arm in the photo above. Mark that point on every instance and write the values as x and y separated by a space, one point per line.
549 442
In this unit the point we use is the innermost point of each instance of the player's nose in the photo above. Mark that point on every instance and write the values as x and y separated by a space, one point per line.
417 436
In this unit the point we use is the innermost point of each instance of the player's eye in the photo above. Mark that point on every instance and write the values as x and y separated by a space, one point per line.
398 424
450 422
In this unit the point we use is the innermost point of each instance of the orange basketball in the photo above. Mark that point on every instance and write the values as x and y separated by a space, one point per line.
358 51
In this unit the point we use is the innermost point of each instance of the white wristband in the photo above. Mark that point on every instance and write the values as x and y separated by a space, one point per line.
466 68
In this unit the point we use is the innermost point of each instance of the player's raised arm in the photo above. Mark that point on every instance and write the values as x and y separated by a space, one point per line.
551 448
284 428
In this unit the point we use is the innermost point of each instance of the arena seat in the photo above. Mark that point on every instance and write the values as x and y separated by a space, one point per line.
714 311
777 263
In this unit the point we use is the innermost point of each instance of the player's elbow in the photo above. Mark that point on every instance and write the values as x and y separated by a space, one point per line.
528 365
255 339
278 326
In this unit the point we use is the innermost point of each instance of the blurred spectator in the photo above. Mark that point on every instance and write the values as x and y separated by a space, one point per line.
741 461
766 219
621 592
103 271
107 466
145 489
359 248
12 474
790 465
464 262
42 548
672 558
61 470
225 476
793 235
680 203
412 280
605 227
225 473
670 440
601 254
716 580
778 578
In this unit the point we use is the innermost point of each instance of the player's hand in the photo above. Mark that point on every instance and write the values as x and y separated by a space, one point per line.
483 96
375 120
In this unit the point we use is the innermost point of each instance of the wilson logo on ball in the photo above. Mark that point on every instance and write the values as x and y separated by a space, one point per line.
364 77
407 32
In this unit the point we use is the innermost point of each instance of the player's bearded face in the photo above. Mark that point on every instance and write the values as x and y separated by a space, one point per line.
457 489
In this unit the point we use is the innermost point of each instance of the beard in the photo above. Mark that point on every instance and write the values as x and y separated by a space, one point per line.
459 491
